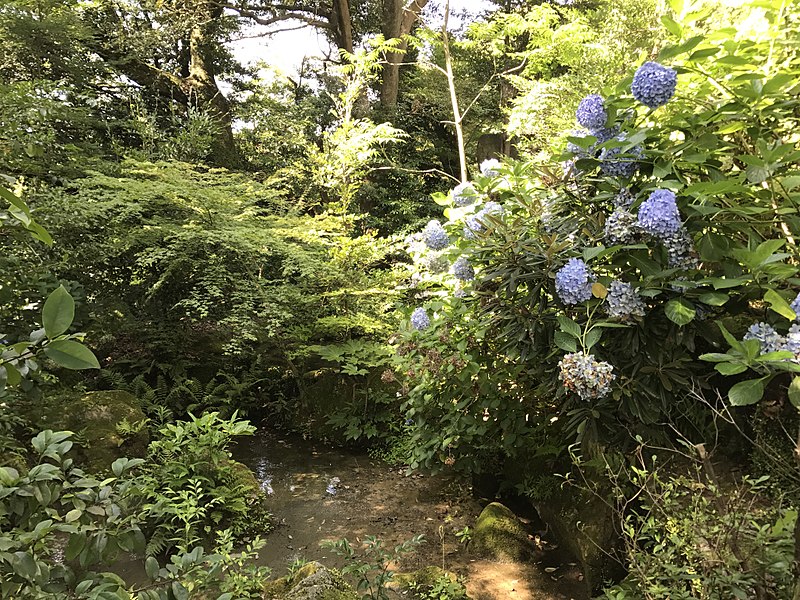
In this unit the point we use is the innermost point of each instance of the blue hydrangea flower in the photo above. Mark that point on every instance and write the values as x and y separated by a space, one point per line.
624 198
464 194
591 112
475 223
622 227
769 339
463 270
653 84
490 167
680 250
434 236
587 377
795 306
792 342
436 263
420 319
616 163
574 282
624 302
658 215
492 208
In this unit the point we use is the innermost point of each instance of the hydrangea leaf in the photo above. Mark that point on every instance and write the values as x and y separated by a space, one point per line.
680 311
794 392
779 305
746 392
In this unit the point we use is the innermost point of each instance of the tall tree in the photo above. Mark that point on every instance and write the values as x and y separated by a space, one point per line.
399 17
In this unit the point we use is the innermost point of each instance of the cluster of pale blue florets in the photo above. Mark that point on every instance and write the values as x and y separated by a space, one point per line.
654 84
624 302
464 194
770 340
463 270
420 319
586 376
574 282
433 247
658 215
434 236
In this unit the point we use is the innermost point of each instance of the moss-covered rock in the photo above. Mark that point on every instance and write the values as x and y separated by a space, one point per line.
428 579
97 416
313 581
584 525
499 535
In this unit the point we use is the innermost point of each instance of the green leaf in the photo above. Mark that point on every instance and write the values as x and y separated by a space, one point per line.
746 392
180 592
714 298
672 26
565 341
58 312
779 305
592 337
679 311
71 355
716 357
151 568
727 368
794 392
569 326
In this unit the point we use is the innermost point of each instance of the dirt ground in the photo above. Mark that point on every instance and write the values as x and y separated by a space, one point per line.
319 493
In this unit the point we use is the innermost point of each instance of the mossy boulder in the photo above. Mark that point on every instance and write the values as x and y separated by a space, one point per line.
584 525
424 580
500 536
98 417
313 581
241 475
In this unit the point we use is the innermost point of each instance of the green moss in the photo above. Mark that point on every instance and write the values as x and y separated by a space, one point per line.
312 581
499 535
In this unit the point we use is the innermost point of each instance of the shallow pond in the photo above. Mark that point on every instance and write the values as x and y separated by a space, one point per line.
320 493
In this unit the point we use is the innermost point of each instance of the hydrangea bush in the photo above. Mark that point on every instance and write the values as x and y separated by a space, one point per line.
663 260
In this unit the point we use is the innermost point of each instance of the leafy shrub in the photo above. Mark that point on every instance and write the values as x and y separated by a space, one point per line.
55 501
687 537
192 487
585 319
371 567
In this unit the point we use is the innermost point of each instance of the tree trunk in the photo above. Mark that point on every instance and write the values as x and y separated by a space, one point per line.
342 24
201 87
398 20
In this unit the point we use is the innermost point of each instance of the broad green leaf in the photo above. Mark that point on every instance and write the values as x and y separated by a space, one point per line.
71 355
794 392
151 568
714 298
779 305
716 357
727 368
569 326
680 311
672 26
565 341
592 337
746 392
58 312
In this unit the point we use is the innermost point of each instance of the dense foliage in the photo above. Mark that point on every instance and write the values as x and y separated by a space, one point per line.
611 279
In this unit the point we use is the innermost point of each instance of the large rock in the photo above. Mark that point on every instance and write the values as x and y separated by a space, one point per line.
500 536
584 524
312 581
97 416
